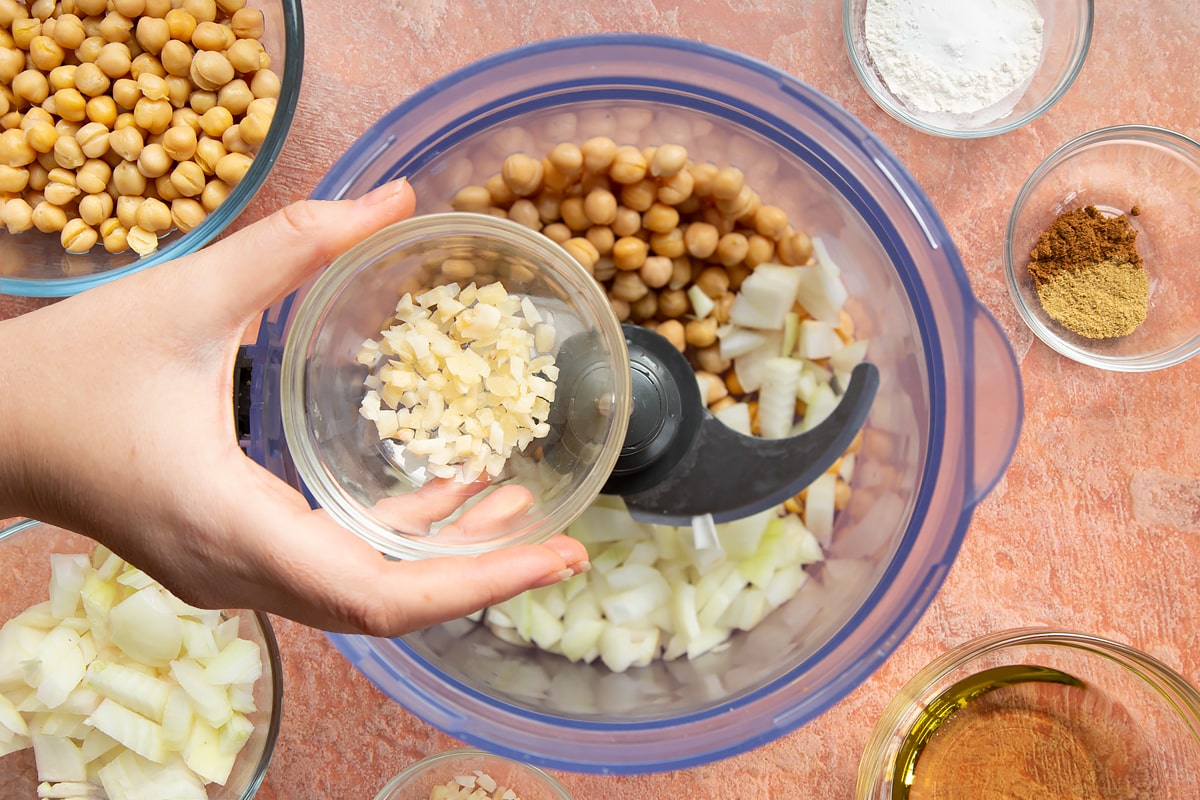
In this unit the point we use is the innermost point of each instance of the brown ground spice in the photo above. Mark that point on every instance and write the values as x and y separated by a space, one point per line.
1080 239
1088 273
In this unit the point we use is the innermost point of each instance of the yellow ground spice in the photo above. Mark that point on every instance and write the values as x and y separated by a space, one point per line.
1088 273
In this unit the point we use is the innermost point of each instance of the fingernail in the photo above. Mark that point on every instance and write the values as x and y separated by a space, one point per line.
382 194
553 578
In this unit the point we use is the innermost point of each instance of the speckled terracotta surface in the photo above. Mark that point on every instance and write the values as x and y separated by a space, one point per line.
1095 526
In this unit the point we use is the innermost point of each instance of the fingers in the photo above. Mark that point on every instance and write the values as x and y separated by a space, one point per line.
497 511
255 267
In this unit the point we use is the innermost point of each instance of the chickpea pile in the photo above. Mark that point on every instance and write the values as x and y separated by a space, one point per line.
650 223
121 120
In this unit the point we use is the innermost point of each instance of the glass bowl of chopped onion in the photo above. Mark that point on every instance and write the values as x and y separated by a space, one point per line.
466 773
112 687
454 384
1101 248
967 71
85 202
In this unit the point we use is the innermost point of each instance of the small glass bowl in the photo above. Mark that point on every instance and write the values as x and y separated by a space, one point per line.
25 550
527 781
1121 723
1067 34
373 487
34 264
1116 169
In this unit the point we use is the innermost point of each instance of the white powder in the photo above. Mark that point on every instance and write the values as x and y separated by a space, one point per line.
957 57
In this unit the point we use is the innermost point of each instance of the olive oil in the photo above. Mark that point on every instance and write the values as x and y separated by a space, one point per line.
1020 733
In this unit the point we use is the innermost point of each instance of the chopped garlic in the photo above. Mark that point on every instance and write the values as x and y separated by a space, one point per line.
463 377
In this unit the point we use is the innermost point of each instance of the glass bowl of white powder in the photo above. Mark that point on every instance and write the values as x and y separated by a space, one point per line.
967 69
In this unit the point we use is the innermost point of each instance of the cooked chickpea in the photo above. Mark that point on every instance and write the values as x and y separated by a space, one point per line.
233 167
130 8
153 161
126 93
522 174
629 254
582 251
671 330
656 271
468 198
600 206
724 304
668 160
116 27
246 55
152 33
247 23
660 218
677 189
126 142
732 249
759 250
795 248
235 96
95 208
210 70
628 165
573 215
524 212
727 183
153 215
77 236
669 244
41 136
176 58
673 303
701 332
69 32
48 218
70 105
737 274
628 286
62 77
67 152
620 308
18 215
202 101
627 223
602 238
215 192
549 207
115 239
709 359
127 206
93 177
187 213
265 83
645 308
31 86
598 153
179 91
45 53
701 239
215 121
567 158
13 179
142 241
209 151
187 118
557 232
165 190
713 281
127 179
770 221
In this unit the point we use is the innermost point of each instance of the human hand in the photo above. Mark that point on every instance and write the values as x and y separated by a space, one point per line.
117 422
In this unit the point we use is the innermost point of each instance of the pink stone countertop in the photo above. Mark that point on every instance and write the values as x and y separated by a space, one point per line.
1096 524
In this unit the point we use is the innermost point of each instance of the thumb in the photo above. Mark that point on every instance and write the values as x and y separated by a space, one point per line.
258 265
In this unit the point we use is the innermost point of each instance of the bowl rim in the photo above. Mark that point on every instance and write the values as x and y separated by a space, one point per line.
272 656
445 756
929 681
888 103
475 718
1181 144
217 222
309 319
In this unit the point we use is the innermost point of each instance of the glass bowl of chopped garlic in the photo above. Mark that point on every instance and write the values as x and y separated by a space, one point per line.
1101 249
466 773
422 398
110 686
138 134
967 70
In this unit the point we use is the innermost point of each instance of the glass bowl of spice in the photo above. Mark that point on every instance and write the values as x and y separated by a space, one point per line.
1037 713
469 774
1102 245
967 69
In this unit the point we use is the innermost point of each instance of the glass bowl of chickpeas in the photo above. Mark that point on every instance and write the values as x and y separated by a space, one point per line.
681 177
133 132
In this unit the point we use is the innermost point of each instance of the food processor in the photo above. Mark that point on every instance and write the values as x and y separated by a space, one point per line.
939 432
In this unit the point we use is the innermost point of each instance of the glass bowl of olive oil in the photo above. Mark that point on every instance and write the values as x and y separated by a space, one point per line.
1037 714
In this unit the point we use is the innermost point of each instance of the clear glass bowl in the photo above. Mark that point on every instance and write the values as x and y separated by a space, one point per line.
34 264
1041 707
1066 36
941 430
1115 169
361 480
418 780
25 550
